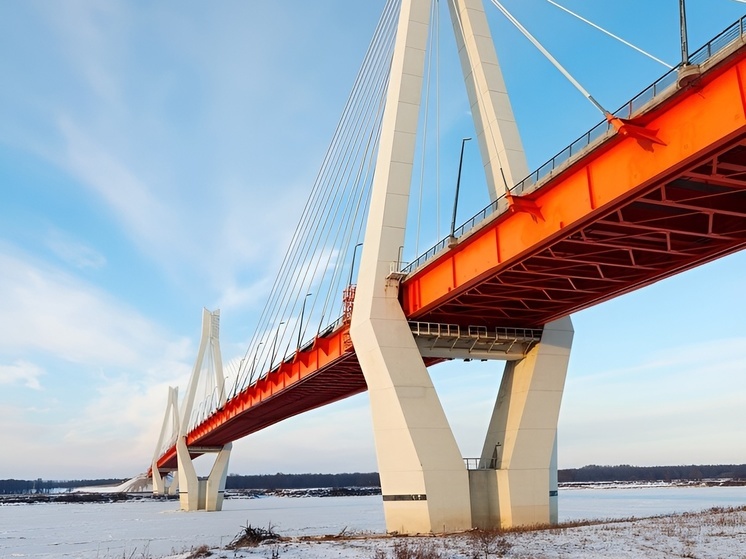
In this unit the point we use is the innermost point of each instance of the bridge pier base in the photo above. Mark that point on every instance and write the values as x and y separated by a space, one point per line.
159 482
517 480
201 494
424 481
173 489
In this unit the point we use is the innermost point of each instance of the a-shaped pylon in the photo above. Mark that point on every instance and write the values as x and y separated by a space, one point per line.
207 375
425 484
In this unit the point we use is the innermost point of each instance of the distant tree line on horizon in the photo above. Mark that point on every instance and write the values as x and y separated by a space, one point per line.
651 473
590 473
22 486
302 481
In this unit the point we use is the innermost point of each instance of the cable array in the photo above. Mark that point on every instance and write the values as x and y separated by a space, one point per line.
610 34
306 298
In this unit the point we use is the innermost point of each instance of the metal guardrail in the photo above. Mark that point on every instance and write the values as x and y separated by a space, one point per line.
435 329
440 330
476 464
713 47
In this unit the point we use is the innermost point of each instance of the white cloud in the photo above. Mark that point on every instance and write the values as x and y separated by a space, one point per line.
335 438
21 372
47 310
74 252
73 327
150 221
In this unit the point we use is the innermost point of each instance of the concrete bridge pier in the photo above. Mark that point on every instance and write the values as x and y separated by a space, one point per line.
159 481
169 426
423 478
195 493
201 494
160 487
517 480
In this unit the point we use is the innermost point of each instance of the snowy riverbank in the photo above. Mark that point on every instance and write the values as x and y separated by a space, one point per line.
149 528
714 534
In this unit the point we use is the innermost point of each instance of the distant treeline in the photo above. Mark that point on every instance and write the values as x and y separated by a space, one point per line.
372 479
651 473
302 481
584 474
21 486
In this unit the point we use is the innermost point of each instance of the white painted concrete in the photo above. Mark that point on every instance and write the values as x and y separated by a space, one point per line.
425 485
497 132
169 428
523 430
195 493
423 478
215 487
189 486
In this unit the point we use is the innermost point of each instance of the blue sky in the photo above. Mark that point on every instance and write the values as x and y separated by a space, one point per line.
155 157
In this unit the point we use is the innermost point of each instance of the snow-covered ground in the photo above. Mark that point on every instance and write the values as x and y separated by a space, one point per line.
149 529
707 535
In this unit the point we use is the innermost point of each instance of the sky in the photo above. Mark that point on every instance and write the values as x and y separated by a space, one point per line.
155 158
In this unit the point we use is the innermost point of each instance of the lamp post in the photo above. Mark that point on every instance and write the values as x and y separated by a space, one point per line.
300 325
458 186
684 39
274 345
253 364
352 266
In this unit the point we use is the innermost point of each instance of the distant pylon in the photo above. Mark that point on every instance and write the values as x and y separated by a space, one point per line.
194 493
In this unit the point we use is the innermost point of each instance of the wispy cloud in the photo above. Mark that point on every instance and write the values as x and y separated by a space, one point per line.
21 372
149 220
122 363
74 252
46 309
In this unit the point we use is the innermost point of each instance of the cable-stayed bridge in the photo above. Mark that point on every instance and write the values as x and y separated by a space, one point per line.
657 188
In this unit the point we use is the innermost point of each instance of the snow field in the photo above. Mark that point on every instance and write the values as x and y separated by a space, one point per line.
714 534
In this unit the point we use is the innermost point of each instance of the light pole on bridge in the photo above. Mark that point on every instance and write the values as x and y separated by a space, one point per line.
684 38
274 345
300 325
352 266
458 187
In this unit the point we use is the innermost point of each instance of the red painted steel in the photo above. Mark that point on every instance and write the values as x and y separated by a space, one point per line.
636 208
627 214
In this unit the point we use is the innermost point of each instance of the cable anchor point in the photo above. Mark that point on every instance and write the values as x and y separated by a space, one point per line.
628 128
520 204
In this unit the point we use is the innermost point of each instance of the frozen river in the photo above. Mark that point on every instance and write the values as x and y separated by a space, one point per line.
137 529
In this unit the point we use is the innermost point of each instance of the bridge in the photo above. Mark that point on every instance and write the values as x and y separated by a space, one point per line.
657 188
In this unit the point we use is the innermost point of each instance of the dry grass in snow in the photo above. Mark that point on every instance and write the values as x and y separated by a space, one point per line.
713 534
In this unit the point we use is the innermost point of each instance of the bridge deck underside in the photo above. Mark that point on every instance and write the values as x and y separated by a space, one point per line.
695 217
341 379
337 381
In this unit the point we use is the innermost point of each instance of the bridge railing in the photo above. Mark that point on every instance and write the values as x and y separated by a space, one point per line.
479 464
523 334
663 85
435 329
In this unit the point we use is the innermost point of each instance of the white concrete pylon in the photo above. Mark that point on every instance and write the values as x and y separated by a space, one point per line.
424 482
423 477
169 432
497 132
194 493
210 340
518 482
